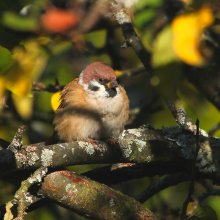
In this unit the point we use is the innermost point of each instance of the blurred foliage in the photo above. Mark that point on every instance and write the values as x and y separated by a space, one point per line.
41 41
186 43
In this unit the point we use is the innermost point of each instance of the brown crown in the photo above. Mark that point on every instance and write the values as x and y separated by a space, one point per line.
98 70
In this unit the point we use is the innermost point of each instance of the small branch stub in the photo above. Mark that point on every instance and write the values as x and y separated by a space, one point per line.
17 142
22 197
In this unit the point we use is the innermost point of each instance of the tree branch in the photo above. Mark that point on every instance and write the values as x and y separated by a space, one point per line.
90 198
144 145
22 197
131 37
108 176
191 190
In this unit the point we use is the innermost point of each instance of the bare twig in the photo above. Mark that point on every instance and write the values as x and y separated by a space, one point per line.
158 186
181 118
97 10
132 72
212 192
214 129
189 197
208 84
108 176
118 166
39 87
131 37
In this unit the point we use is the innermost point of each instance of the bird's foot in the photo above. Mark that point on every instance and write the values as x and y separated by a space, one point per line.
112 141
93 141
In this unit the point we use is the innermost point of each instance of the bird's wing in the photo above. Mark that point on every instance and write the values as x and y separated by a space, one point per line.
73 94
125 107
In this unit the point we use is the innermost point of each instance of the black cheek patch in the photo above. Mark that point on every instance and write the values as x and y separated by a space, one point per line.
93 88
112 92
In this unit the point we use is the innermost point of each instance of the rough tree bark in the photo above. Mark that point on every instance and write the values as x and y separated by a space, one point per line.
143 145
92 198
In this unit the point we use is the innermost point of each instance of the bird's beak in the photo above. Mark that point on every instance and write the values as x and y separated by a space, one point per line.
112 84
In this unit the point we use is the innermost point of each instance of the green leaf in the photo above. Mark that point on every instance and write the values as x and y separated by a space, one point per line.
146 13
61 48
148 3
97 38
17 22
144 17
163 53
6 60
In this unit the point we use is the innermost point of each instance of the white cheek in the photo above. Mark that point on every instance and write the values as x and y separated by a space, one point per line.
101 93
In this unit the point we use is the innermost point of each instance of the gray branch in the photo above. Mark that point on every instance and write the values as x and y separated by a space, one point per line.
143 145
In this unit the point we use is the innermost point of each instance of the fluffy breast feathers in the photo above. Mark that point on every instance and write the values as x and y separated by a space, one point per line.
81 116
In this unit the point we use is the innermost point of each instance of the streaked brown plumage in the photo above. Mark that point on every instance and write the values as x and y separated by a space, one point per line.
92 106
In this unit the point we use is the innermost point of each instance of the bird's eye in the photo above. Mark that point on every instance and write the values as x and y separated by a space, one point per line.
93 87
103 81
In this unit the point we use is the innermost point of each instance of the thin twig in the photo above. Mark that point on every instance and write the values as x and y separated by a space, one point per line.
205 184
131 37
213 192
158 186
117 166
132 72
210 190
39 87
182 120
93 15
214 129
193 173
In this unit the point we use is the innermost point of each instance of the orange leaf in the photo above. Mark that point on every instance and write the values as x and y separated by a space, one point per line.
58 20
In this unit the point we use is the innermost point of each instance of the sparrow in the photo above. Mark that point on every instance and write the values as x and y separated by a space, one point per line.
93 106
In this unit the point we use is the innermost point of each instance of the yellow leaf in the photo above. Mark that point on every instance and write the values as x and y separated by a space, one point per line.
31 61
23 105
187 30
20 87
55 100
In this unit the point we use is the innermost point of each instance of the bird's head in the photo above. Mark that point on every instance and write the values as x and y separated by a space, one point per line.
99 78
